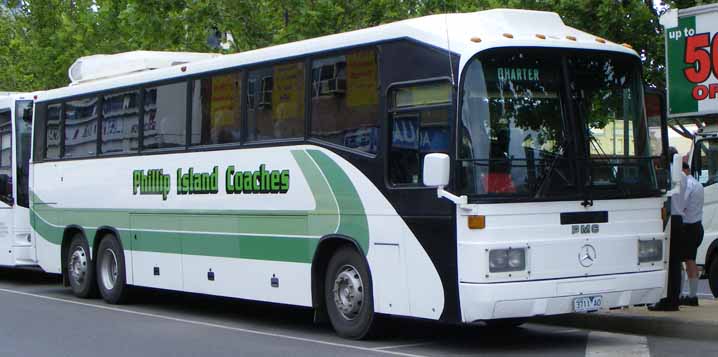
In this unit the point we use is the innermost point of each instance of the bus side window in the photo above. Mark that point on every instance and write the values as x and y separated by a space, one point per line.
419 126
120 123
216 109
81 127
6 157
52 132
345 100
275 102
165 116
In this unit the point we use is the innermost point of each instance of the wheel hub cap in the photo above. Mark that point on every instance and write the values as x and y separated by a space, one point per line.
109 269
348 292
78 265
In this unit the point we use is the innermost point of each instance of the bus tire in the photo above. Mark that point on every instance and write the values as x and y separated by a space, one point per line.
713 275
80 270
348 294
111 277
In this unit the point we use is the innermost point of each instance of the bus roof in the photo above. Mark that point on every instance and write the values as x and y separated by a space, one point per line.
463 34
7 99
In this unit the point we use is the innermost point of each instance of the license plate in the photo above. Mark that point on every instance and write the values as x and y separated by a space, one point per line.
588 303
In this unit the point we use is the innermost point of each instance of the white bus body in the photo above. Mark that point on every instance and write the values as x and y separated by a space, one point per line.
17 248
315 189
703 158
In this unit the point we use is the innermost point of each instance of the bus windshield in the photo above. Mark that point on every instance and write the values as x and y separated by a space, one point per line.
558 124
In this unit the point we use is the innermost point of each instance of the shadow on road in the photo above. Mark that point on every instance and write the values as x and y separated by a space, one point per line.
29 277
298 321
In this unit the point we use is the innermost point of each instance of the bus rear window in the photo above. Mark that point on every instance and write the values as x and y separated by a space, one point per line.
52 132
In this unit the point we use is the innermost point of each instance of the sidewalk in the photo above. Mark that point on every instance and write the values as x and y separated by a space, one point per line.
699 323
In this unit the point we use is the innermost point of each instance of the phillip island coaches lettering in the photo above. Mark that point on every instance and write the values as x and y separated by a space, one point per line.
197 183
260 181
156 182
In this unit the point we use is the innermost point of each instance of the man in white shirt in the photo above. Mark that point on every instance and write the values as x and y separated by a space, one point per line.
692 234
673 292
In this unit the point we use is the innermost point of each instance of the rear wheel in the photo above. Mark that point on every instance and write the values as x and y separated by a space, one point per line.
80 270
111 271
348 294
713 275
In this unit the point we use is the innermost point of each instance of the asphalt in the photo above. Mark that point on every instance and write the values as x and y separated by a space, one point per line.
696 323
39 317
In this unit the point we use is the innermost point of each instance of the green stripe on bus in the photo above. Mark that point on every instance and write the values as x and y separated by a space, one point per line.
265 235
353 222
275 248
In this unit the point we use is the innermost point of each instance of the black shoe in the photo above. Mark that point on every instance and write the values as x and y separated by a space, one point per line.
689 300
663 306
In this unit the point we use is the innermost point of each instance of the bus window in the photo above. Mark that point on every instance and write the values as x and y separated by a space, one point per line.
275 102
6 157
165 116
655 116
418 127
23 128
52 132
706 165
120 123
81 128
345 100
216 109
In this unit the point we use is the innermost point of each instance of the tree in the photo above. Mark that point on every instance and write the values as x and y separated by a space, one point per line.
38 44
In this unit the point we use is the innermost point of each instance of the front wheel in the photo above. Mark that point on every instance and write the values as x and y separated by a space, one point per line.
111 271
348 294
713 276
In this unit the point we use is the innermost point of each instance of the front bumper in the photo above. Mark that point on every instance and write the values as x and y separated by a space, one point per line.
552 297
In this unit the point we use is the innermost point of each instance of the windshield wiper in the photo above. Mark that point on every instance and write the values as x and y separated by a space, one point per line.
543 183
602 155
596 145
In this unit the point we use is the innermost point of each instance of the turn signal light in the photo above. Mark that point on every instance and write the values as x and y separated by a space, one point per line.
477 222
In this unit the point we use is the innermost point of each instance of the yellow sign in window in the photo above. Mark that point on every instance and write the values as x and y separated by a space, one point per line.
362 79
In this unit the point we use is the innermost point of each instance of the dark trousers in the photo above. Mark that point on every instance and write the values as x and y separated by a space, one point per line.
674 262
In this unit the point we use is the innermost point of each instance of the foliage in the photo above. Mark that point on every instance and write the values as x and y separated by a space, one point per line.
41 38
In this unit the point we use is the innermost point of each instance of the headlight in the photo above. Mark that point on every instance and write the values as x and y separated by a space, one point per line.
650 250
504 260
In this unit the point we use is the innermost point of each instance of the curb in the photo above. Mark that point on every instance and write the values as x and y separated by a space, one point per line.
635 324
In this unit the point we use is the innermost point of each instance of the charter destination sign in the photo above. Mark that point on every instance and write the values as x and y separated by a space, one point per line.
157 182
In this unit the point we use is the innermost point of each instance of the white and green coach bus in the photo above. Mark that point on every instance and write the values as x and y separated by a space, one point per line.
485 166
17 248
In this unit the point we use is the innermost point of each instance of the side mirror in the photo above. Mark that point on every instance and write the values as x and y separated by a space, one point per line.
676 170
436 170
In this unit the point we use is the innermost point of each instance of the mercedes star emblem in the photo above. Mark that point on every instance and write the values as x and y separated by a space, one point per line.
587 255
